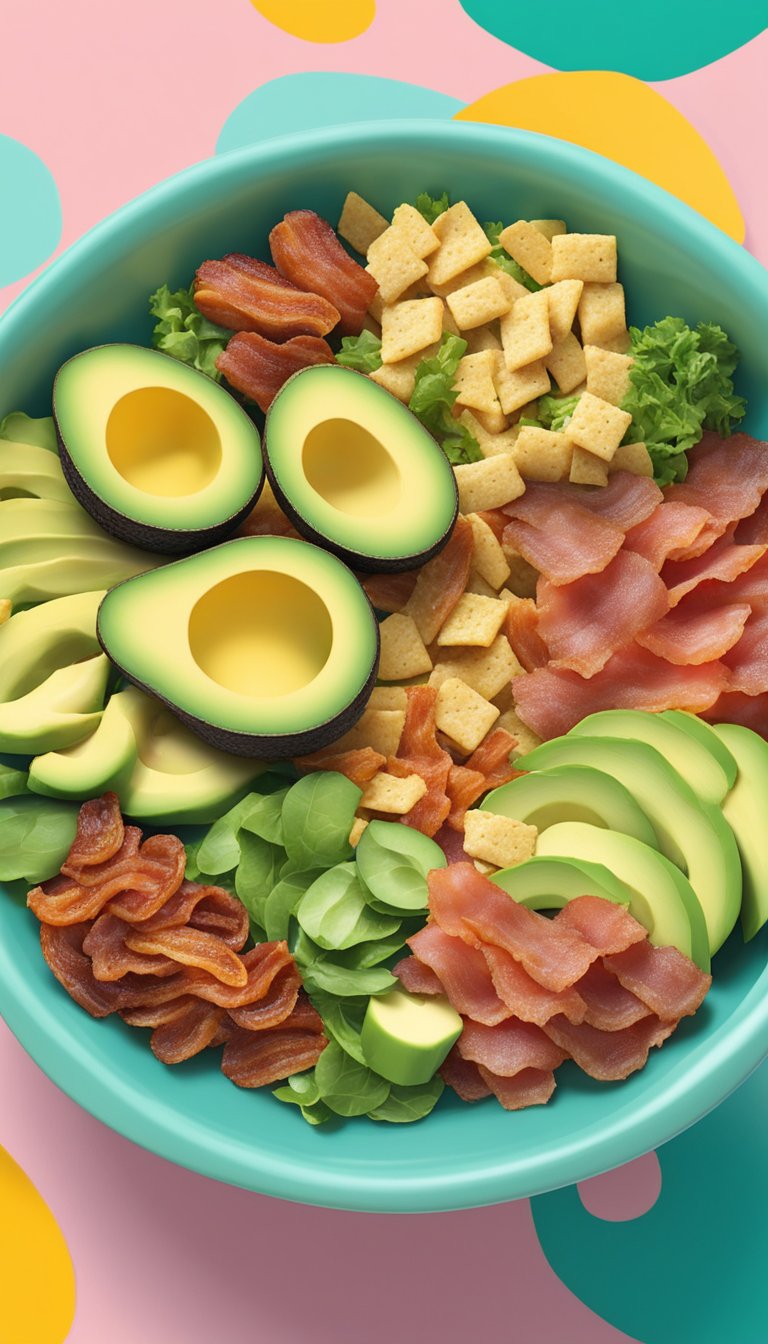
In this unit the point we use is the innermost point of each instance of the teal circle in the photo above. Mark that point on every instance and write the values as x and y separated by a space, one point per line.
30 220
304 102
674 261
659 39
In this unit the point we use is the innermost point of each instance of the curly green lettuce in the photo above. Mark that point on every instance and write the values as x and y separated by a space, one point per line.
183 332
433 398
502 258
431 206
361 352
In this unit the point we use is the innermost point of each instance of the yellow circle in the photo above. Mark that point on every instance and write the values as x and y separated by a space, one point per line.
37 1281
331 21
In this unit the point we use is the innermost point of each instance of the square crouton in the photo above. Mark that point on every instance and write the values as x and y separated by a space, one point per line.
487 671
477 584
549 227
487 556
584 256
463 243
607 374
597 425
394 266
512 287
474 382
488 484
390 793
543 454
563 305
388 697
527 740
449 322
490 444
565 362
400 378
463 715
407 328
517 388
525 334
474 305
359 224
403 652
632 457
504 841
377 728
530 248
482 270
494 422
602 315
358 826
586 469
417 232
483 338
523 578
474 622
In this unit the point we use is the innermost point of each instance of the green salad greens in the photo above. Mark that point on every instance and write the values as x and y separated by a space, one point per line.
35 833
345 913
182 331
502 258
432 206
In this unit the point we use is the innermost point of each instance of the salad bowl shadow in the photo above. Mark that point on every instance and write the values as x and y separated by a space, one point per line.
672 261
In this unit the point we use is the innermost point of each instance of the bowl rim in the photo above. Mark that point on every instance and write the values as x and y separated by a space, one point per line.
713 1068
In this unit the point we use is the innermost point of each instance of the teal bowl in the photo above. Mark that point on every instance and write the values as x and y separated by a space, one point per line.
672 261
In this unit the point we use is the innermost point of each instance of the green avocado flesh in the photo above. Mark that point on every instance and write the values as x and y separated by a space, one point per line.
406 1037
662 898
687 754
746 811
707 736
693 835
158 453
549 884
571 793
157 767
53 676
356 471
264 646
29 471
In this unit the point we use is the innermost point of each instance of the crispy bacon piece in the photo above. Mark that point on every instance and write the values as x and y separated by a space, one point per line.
522 631
192 947
530 1087
244 294
157 1014
441 582
753 530
116 866
491 758
606 926
111 959
670 530
509 1047
187 1033
275 1006
258 367
359 765
254 1059
389 592
559 537
305 248
662 977
728 477
462 971
303 1017
626 500
747 661
751 711
609 1006
417 977
420 753
524 996
464 787
609 1055
100 833
162 863
689 637
464 1077
262 964
209 908
452 844
63 952
723 560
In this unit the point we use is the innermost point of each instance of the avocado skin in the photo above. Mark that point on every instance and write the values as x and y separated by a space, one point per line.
166 540
368 564
282 745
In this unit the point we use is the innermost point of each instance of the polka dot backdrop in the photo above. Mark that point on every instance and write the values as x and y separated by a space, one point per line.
96 105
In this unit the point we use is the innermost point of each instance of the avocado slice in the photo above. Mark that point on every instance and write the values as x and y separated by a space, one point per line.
97 762
159 454
706 734
663 900
571 793
356 472
264 646
26 470
692 834
65 707
543 883
687 754
406 1037
745 809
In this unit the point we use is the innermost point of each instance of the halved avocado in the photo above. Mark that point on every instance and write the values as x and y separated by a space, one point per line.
356 472
692 834
542 798
264 646
158 453
663 900
746 809
688 755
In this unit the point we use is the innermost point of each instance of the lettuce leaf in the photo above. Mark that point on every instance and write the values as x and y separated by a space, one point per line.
183 332
361 352
433 398
555 412
431 206
502 258
680 384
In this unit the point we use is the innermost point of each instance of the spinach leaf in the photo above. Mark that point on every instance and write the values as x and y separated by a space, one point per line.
282 901
336 979
349 1088
219 850
36 835
265 816
334 913
394 873
318 812
13 783
257 873
406 1104
343 1020
365 955
300 1088
304 951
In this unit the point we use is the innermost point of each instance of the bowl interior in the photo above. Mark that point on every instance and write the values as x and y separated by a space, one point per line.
671 261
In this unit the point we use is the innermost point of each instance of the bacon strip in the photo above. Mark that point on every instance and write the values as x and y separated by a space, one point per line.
258 367
441 582
690 638
561 539
463 973
524 635
420 753
583 623
359 765
609 1055
63 951
524 996
626 500
606 926
275 1006
747 661
609 1006
751 711
255 1059
531 1087
668 982
671 528
723 560
509 1047
464 787
156 1015
753 530
187 1033
389 592
135 881
99 835
417 977
305 248
111 958
464 1077
192 947
244 294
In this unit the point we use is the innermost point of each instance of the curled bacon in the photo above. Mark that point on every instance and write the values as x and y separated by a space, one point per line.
63 951
359 765
187 1033
305 249
254 1059
244 294
111 958
420 753
192 947
99 832
134 882
275 1006
258 367
390 592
